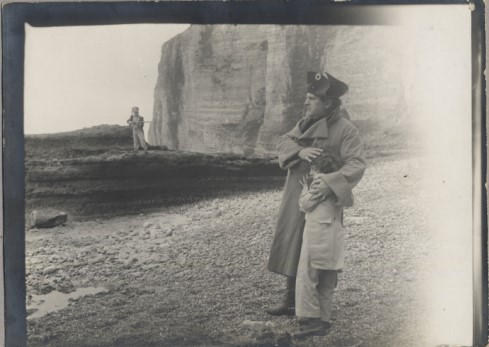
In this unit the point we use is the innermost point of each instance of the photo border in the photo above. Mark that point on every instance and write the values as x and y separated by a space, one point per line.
16 15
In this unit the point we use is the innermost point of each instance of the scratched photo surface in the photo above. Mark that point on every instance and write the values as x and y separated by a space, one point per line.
153 185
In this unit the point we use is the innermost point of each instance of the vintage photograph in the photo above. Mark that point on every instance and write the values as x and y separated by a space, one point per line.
250 184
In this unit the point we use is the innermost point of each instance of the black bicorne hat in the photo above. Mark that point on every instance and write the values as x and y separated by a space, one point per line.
325 85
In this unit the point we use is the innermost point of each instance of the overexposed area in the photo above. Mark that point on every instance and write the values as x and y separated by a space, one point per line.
439 80
83 76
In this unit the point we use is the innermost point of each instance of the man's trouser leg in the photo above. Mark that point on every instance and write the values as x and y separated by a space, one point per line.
314 289
142 141
135 139
287 307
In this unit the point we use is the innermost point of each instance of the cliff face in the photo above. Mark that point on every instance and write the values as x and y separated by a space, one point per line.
236 88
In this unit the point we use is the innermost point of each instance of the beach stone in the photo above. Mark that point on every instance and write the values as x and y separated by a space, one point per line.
53 258
65 287
96 260
39 219
154 230
356 220
151 226
49 270
124 255
258 325
181 259
185 274
128 263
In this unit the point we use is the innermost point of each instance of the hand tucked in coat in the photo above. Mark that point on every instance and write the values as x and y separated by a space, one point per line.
309 153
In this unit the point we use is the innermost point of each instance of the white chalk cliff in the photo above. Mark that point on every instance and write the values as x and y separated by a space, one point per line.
236 88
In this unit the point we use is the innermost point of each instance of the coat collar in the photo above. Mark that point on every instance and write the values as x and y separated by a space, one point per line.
320 128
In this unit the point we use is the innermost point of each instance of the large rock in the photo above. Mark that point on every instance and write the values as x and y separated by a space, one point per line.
46 219
237 88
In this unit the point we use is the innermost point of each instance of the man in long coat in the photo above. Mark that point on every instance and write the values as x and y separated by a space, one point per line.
322 127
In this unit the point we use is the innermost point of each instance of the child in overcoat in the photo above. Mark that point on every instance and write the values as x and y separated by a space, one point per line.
322 252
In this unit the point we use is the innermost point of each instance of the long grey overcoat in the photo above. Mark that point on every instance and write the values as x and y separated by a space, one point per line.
335 133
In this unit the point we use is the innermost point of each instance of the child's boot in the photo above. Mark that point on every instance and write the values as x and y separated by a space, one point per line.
312 327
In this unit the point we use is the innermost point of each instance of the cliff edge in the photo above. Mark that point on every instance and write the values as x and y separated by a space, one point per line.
237 88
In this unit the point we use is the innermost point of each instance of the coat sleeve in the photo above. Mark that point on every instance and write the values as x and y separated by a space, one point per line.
353 155
288 148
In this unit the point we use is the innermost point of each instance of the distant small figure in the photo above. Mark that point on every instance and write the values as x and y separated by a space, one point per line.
136 122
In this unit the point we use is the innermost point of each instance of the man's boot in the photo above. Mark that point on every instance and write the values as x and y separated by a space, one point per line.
287 307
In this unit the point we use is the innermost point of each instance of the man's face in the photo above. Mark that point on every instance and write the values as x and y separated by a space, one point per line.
314 105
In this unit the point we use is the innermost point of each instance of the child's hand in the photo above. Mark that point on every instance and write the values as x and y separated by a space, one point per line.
319 187
303 181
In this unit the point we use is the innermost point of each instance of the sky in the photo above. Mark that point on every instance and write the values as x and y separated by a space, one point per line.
77 77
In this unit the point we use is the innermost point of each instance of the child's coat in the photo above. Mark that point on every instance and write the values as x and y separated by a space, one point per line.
323 233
